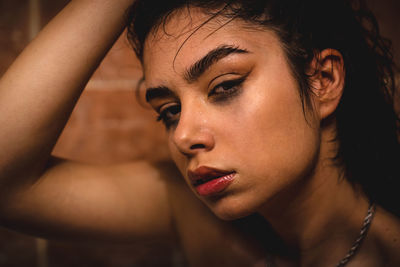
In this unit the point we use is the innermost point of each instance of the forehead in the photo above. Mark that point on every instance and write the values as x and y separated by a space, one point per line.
189 34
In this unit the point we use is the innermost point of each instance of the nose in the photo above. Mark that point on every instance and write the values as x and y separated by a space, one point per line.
193 134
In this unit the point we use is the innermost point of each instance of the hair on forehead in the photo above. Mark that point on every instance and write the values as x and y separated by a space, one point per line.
190 28
153 19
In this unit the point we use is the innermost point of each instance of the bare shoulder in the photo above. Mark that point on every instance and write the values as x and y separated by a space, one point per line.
128 202
386 234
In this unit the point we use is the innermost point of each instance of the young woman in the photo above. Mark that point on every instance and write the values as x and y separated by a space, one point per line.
280 121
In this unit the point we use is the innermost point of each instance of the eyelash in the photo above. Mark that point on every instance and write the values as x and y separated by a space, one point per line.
175 109
230 89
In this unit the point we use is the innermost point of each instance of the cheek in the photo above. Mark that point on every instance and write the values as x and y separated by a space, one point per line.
271 135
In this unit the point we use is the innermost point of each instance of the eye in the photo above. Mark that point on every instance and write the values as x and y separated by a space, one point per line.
227 89
169 114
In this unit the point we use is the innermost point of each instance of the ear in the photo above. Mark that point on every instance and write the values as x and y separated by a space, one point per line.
327 81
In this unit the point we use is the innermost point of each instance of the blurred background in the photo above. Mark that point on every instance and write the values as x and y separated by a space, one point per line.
108 125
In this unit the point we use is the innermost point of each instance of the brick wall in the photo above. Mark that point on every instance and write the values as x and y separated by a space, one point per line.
110 122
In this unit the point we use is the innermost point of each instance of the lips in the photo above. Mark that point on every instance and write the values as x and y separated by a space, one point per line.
209 181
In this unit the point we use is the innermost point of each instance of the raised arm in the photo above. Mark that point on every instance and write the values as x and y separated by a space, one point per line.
37 95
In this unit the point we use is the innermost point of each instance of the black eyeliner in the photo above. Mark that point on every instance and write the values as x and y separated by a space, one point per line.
163 116
235 88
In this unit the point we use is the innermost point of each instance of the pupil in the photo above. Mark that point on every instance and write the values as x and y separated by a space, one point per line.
175 109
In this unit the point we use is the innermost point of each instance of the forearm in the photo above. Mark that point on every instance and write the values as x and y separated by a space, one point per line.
39 91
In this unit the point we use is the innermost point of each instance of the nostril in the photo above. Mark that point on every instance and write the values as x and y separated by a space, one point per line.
197 146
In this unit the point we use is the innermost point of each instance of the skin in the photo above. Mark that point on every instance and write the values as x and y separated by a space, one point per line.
259 131
263 114
281 159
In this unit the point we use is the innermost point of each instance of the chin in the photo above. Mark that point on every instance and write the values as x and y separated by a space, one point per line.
229 209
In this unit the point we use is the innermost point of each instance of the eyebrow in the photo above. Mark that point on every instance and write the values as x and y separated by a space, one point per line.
158 92
200 66
193 73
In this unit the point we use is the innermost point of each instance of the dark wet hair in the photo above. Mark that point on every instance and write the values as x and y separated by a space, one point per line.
367 126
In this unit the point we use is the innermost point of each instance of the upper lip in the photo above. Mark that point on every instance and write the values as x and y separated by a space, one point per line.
204 173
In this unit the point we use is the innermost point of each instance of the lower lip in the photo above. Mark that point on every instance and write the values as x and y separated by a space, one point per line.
215 186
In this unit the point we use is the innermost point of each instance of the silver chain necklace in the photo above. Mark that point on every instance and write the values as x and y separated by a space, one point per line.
356 245
363 233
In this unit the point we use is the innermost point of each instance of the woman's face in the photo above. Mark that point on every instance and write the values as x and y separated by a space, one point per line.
234 118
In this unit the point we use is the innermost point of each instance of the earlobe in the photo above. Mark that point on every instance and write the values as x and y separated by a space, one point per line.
327 81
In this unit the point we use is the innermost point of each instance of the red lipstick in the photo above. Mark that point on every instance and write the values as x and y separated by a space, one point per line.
209 181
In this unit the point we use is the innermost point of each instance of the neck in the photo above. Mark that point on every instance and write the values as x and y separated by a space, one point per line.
320 217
